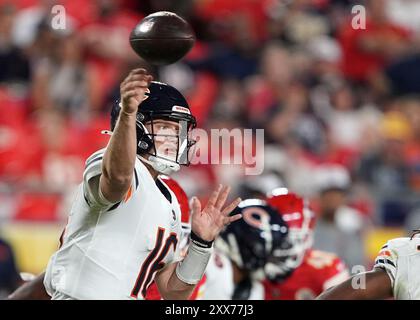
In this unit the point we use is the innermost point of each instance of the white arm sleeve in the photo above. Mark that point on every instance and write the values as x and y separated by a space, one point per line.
91 175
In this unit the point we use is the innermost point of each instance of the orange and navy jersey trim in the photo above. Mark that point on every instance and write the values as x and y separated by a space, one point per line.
386 261
154 262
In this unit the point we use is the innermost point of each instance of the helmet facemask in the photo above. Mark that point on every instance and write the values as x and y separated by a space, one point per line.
280 264
302 237
163 145
300 220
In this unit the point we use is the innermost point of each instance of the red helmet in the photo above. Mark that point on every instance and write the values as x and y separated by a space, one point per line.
298 216
184 205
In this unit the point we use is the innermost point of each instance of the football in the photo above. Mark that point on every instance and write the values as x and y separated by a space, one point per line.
162 38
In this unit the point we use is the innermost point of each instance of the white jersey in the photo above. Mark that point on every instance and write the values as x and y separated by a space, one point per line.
114 251
257 291
400 258
219 280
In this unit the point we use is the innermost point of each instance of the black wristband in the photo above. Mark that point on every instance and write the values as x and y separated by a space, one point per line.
200 242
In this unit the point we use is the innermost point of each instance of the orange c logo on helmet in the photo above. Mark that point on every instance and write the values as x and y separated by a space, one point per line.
146 94
249 216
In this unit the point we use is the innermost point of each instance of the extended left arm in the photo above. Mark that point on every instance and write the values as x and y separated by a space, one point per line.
178 280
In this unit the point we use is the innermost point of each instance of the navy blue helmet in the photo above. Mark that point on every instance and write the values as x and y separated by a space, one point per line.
258 243
167 103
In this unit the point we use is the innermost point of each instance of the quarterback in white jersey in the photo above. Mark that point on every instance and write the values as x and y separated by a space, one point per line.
121 247
394 275
125 223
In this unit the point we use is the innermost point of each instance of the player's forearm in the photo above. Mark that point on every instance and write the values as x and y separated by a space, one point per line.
178 280
171 287
177 289
370 285
32 290
343 291
119 158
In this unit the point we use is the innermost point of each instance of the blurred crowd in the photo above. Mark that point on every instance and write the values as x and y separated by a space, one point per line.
340 106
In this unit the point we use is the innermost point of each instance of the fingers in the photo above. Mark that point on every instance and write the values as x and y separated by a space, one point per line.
214 196
231 206
218 199
195 206
132 94
222 197
138 71
137 74
141 81
231 219
133 77
133 85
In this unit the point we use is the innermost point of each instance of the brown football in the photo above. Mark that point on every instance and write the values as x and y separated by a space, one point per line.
162 38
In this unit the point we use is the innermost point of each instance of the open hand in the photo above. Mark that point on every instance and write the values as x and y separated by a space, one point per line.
208 223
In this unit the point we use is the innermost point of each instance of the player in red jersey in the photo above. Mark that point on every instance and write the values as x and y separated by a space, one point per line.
152 291
314 270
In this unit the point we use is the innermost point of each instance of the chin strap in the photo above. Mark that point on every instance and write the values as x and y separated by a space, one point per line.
161 165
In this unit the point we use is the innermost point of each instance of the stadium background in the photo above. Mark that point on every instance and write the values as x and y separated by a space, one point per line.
339 106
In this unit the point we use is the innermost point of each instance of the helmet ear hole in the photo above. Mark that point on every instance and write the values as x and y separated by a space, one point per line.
143 145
